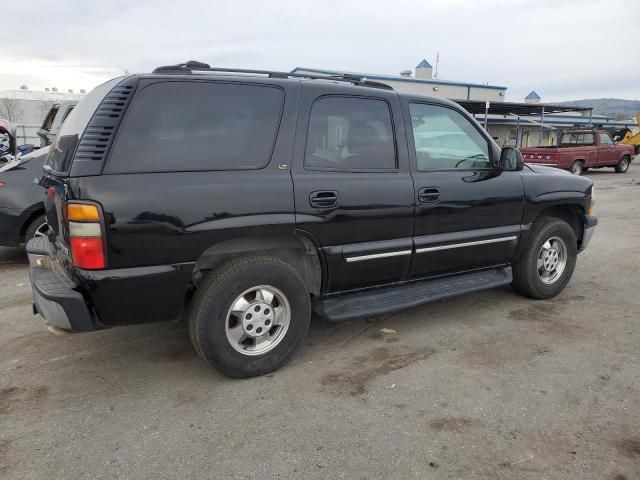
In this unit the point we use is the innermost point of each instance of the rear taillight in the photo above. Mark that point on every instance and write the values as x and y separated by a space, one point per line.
86 236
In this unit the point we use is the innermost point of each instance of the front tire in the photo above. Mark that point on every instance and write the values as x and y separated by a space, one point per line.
623 165
249 316
547 262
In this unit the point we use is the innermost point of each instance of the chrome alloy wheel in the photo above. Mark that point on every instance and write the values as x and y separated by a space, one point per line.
552 260
576 168
41 231
624 164
258 320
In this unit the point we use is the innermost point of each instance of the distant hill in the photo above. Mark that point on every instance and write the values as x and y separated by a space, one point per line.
615 107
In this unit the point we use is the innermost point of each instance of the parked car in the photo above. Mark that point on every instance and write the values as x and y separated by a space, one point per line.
244 200
7 141
579 150
21 200
53 121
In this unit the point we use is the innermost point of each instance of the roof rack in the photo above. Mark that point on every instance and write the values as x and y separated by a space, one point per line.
194 66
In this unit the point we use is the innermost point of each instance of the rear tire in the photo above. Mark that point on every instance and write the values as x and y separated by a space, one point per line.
577 167
37 227
245 297
547 262
623 164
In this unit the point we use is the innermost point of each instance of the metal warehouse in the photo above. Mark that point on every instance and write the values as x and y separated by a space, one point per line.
523 124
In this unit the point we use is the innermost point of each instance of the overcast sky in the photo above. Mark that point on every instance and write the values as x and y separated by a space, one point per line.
563 49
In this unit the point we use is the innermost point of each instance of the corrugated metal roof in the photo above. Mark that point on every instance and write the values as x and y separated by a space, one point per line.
532 96
396 78
424 64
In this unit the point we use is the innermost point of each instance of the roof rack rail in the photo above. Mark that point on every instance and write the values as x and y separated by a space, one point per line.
192 65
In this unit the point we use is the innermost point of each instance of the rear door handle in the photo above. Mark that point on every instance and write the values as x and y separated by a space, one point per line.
324 199
429 195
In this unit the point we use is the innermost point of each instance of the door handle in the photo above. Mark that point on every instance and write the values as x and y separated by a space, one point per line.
324 199
429 195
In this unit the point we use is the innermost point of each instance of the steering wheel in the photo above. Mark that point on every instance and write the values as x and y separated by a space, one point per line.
466 160
472 158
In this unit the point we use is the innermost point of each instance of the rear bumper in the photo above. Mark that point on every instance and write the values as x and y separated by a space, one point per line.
97 299
590 222
54 294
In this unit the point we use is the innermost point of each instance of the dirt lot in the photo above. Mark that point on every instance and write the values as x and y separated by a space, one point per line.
490 385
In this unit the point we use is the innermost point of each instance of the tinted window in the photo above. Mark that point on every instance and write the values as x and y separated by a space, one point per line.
350 134
185 126
577 139
605 139
445 139
66 114
48 120
64 146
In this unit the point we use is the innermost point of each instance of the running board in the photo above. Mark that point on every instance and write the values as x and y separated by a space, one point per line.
381 300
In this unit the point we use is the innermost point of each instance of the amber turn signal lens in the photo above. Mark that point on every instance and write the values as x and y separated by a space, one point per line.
80 211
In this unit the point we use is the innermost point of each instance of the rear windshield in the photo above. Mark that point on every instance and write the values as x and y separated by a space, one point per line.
194 126
63 148
576 139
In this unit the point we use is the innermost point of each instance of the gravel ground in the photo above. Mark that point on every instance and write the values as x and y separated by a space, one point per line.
489 385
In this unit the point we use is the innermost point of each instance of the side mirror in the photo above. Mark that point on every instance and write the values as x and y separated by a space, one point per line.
510 159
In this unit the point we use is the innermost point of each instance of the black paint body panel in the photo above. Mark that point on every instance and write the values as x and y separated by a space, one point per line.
20 198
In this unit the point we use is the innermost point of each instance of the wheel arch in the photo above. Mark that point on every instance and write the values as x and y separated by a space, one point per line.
572 213
33 214
298 250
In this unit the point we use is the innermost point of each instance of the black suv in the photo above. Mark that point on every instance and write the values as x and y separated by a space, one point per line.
243 200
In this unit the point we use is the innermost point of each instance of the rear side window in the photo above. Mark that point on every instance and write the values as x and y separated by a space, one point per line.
66 114
64 146
190 126
48 121
348 133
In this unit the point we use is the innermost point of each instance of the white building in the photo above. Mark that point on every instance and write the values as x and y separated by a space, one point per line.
27 109
423 83
531 123
30 106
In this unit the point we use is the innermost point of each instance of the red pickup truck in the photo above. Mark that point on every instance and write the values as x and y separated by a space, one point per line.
579 150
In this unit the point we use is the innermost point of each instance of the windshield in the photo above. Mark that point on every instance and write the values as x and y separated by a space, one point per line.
63 148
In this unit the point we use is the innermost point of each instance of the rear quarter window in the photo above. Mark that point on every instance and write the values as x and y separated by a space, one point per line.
196 126
63 148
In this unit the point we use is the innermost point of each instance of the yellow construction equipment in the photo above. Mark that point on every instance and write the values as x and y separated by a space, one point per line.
627 137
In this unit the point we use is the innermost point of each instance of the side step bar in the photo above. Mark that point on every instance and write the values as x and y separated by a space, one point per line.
381 300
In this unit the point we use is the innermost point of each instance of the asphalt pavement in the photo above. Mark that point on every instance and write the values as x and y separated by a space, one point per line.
489 385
